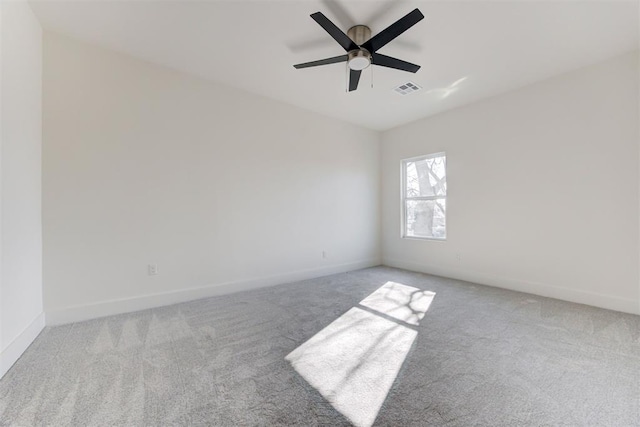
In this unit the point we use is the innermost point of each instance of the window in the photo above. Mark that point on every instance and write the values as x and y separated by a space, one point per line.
424 197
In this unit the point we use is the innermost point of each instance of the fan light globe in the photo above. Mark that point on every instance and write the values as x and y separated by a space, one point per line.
359 59
359 63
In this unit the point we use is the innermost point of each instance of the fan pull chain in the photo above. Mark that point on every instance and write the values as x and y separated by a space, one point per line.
371 66
346 78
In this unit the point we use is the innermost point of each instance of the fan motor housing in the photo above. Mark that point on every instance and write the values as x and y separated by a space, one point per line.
359 34
359 59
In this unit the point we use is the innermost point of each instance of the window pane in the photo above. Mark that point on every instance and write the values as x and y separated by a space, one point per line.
426 218
427 177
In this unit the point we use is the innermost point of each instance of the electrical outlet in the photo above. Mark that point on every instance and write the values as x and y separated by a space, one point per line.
152 269
458 257
324 254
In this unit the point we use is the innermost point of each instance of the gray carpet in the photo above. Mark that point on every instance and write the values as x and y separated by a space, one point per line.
333 351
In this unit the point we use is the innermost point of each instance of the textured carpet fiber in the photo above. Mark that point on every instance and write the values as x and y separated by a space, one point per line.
378 346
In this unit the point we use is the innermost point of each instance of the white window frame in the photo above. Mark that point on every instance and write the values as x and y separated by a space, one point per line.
404 198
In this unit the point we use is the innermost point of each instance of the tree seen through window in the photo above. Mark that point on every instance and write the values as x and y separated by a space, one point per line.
424 197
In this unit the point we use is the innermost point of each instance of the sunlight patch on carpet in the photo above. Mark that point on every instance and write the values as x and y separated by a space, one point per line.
354 361
399 301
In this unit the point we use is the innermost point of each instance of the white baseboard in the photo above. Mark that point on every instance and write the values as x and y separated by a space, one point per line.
567 294
126 305
14 350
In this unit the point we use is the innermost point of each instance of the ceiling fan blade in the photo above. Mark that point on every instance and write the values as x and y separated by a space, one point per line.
354 78
393 30
335 59
398 64
334 31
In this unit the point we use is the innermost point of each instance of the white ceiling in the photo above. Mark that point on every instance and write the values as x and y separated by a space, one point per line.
468 50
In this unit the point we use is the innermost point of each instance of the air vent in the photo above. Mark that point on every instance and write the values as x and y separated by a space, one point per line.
407 88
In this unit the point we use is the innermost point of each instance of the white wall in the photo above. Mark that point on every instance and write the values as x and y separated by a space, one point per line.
227 191
543 188
21 317
219 187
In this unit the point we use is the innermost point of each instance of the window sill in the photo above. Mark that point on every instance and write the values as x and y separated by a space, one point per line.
437 239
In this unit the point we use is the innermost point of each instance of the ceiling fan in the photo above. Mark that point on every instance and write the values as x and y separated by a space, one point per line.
362 48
